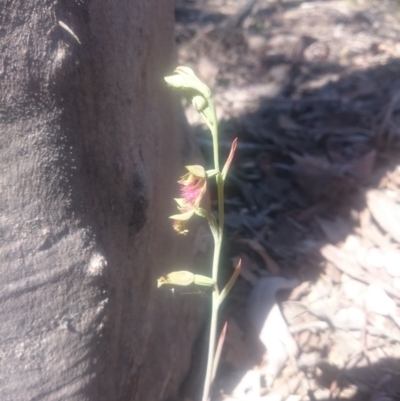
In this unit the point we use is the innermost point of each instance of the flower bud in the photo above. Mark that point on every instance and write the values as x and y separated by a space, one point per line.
185 79
182 277
199 103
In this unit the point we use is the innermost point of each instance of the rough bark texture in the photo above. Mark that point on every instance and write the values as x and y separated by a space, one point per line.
89 154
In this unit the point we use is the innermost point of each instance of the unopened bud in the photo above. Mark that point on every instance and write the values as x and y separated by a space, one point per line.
185 79
182 277
185 278
199 103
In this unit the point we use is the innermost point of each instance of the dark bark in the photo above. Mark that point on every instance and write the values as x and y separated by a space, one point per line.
89 155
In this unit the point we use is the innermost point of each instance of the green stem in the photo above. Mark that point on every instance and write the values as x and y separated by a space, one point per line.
221 215
217 252
213 325
214 133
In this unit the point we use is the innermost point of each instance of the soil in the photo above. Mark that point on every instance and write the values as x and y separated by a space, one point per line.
311 89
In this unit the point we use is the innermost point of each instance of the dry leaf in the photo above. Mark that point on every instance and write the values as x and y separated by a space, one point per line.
270 263
208 70
385 211
249 387
344 345
363 166
279 343
235 349
321 179
350 318
267 320
378 301
370 258
336 230
391 262
345 261
285 122
388 388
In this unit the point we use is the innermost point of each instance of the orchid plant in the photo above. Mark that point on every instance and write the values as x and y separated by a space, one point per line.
195 200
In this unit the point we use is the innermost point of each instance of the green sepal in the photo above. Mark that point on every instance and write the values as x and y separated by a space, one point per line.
202 212
197 171
182 216
212 173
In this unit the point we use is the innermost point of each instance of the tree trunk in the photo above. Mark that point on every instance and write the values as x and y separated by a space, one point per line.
90 151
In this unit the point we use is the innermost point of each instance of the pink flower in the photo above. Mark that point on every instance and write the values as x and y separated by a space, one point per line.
193 188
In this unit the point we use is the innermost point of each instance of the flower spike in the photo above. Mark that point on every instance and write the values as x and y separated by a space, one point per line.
195 199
